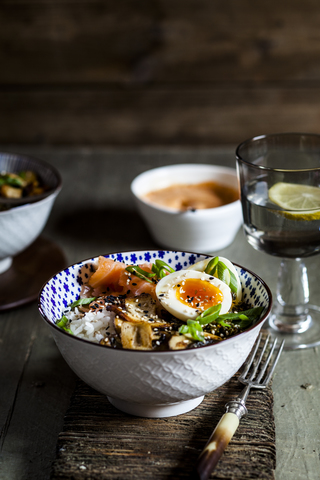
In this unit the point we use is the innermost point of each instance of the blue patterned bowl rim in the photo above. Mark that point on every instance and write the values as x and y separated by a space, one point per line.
56 288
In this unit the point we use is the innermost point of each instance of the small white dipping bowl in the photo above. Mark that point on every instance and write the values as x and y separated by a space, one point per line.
203 230
149 383
25 220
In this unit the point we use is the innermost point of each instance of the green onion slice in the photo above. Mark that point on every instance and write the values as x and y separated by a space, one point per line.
160 268
211 267
220 270
194 329
62 322
209 315
142 274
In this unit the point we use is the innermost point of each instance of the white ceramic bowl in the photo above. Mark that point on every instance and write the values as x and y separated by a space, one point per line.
203 230
147 383
22 224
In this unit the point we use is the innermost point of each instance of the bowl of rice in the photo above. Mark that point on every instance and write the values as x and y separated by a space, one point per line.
148 364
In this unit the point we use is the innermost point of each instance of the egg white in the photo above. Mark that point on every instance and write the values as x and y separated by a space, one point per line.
166 293
201 266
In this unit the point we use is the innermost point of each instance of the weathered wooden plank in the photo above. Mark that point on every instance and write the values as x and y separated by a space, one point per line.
139 41
138 72
154 115
100 442
36 385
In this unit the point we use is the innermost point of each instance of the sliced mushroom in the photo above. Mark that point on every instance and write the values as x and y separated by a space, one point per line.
210 336
179 342
117 323
137 336
139 309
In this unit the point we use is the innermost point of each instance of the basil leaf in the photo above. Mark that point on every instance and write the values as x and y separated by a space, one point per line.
82 301
245 323
223 323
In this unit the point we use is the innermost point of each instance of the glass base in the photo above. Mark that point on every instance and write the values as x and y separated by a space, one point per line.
307 338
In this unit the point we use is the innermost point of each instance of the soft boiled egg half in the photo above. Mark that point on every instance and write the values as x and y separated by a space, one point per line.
187 293
202 265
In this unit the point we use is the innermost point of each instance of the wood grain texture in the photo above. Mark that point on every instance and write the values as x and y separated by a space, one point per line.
165 41
154 115
31 399
100 442
146 73
36 383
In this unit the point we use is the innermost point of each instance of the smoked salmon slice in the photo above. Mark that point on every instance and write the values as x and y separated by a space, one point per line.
113 276
107 274
134 286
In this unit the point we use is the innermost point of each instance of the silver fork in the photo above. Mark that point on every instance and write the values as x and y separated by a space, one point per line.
252 377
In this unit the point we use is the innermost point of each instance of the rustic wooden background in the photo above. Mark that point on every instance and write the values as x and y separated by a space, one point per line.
157 72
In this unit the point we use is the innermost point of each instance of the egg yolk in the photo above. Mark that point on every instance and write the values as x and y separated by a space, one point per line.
199 294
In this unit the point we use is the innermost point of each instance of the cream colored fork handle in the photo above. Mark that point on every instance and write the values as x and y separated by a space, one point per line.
216 445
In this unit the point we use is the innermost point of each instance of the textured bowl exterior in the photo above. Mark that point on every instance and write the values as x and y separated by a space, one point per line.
203 230
20 226
146 377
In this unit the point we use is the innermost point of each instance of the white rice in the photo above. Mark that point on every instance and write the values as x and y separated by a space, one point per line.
91 325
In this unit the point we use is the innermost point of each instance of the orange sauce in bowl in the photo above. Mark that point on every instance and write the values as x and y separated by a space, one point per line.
193 196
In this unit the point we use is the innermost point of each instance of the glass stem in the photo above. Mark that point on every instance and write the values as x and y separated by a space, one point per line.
290 313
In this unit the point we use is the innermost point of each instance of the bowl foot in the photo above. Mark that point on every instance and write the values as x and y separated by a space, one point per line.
158 410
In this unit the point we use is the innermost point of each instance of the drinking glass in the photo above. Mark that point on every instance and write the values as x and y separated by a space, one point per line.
291 230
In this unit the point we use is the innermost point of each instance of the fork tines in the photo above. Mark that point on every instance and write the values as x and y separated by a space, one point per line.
255 365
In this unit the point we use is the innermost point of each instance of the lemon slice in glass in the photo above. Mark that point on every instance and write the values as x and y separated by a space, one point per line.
300 202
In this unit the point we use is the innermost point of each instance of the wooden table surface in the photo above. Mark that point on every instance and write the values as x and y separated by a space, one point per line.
36 383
